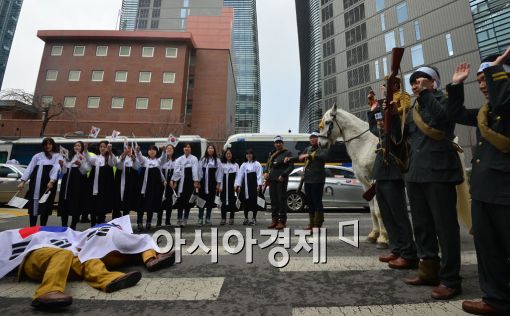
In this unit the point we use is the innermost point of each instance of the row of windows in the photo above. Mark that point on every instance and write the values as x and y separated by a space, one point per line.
328 30
354 16
357 55
356 35
120 76
358 76
141 103
349 3
328 48
327 12
124 51
329 67
401 16
357 98
330 86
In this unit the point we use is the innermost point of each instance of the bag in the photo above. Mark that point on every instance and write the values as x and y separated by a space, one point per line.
200 202
370 193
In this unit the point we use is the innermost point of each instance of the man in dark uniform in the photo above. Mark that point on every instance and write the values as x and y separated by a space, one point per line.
434 171
490 180
277 174
314 178
390 192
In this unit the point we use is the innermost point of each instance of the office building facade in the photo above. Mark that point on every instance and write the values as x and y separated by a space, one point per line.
9 13
308 17
175 15
491 19
358 36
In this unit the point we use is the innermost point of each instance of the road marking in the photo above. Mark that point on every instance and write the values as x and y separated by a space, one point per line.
154 289
352 263
10 213
451 308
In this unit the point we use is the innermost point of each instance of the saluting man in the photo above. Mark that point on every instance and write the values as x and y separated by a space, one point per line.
434 172
314 179
277 174
490 179
390 192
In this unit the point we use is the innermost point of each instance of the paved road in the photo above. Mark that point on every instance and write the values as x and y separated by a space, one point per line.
352 282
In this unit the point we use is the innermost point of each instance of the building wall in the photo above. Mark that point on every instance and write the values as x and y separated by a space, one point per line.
191 15
207 110
9 13
368 48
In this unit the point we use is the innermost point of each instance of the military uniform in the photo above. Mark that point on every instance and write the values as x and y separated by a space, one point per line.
390 191
434 171
277 167
314 178
490 188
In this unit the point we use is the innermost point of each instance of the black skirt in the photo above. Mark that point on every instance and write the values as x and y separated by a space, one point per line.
250 203
169 192
151 200
231 207
187 190
43 208
130 199
211 185
104 201
72 193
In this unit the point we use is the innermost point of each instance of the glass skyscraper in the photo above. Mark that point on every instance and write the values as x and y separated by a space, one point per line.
9 13
247 65
491 19
309 33
172 15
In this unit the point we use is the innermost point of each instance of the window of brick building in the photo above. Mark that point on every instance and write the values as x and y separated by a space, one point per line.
117 103
166 104
142 103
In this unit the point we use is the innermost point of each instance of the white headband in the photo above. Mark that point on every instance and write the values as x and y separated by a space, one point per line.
486 65
431 72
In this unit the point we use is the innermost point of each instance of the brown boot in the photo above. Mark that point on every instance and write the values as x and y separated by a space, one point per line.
52 300
428 273
274 223
310 226
319 219
281 224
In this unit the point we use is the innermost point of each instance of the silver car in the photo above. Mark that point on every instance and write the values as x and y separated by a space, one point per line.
10 175
341 190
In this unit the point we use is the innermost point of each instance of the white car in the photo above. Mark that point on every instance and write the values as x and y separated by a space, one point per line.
341 190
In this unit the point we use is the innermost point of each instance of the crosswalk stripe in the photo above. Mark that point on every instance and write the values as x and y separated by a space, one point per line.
352 263
155 289
451 308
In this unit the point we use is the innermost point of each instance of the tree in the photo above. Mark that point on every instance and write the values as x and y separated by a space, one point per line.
44 105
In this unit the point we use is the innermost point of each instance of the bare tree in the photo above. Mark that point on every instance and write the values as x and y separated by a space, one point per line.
45 106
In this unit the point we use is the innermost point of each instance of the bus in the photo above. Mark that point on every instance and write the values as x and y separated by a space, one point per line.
23 149
262 144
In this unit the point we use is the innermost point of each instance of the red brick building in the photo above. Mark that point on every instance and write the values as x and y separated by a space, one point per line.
150 83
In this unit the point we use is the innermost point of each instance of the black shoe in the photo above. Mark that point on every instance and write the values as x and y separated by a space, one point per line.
167 222
127 280
158 224
148 227
139 228
52 300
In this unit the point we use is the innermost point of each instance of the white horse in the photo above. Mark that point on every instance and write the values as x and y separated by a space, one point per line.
361 146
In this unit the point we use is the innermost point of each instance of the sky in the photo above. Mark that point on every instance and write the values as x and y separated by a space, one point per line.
278 49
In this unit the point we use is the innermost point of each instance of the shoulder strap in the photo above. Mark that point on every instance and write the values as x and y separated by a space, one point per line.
500 141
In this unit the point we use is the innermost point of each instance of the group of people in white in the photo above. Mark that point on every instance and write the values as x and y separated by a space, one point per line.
146 183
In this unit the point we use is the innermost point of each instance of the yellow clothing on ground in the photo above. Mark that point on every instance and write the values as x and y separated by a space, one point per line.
53 267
